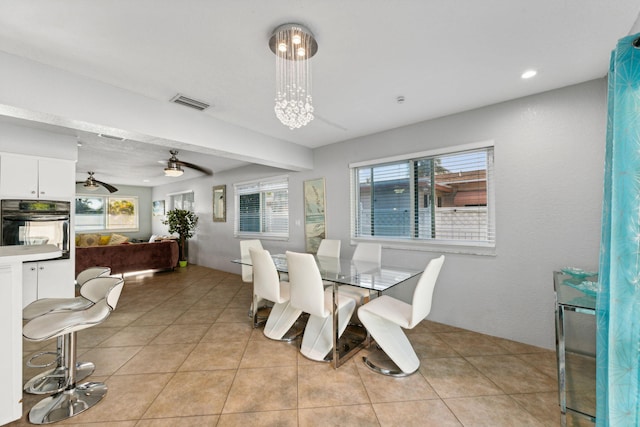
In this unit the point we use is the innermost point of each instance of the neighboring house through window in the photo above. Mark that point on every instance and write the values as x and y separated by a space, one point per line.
262 208
106 213
438 197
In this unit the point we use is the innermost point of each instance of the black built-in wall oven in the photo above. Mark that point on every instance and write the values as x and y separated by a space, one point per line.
36 222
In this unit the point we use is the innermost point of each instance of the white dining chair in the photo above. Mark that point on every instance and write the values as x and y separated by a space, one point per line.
247 270
385 317
308 294
329 248
267 286
369 253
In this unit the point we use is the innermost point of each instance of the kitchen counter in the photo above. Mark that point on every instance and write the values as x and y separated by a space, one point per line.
11 259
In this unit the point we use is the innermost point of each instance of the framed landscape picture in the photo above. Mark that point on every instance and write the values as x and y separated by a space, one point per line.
314 214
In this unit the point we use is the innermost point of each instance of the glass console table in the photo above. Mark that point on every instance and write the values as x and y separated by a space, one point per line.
576 344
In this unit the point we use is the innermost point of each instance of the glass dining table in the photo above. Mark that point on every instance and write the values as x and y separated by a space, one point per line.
374 277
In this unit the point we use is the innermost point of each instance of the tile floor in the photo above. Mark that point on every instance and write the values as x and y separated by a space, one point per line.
180 351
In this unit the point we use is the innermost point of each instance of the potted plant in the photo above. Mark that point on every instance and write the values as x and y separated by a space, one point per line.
182 222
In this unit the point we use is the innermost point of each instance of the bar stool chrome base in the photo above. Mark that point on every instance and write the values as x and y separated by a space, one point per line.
55 380
68 403
379 362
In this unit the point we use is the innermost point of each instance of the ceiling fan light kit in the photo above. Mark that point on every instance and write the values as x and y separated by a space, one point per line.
92 184
174 166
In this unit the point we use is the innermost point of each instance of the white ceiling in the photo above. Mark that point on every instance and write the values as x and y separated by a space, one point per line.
443 56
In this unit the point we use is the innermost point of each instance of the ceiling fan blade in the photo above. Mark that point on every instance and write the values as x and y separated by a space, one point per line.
109 187
196 167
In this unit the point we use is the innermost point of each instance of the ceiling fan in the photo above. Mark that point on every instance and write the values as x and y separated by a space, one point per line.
174 166
93 184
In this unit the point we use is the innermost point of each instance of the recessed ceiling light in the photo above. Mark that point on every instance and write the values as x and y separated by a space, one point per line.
145 180
528 74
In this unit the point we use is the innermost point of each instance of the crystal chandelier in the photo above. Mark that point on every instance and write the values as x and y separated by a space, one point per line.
293 45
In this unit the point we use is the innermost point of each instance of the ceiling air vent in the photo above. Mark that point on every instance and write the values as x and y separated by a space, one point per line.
190 102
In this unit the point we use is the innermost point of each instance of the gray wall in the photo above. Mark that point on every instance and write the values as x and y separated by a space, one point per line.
549 154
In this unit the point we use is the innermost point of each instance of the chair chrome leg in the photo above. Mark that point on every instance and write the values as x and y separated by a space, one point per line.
68 403
379 362
55 380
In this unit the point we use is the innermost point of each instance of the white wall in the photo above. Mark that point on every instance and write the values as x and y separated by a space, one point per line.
549 154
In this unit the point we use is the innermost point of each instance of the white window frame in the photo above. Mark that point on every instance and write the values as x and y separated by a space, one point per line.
106 228
435 245
261 186
172 199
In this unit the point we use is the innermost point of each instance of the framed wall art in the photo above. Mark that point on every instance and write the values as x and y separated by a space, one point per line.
158 208
220 203
314 214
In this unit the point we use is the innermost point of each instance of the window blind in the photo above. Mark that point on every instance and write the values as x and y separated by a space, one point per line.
262 208
446 197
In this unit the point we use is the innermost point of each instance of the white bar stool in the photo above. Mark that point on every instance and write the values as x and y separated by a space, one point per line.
74 399
52 380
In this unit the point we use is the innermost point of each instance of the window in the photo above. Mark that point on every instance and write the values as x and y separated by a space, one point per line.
184 200
438 197
262 208
102 213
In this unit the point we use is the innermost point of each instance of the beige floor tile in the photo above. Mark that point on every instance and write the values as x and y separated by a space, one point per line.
491 411
262 389
322 385
228 332
269 353
515 347
127 398
109 360
287 418
158 316
133 335
120 319
180 334
233 315
439 327
455 377
543 406
546 363
214 355
198 316
192 393
382 388
202 421
156 359
352 416
429 345
512 374
207 366
472 343
424 413
91 337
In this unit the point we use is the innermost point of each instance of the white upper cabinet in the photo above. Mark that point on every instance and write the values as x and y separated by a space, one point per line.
36 178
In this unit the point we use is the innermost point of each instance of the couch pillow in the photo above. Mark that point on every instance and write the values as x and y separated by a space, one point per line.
153 238
117 239
104 240
89 239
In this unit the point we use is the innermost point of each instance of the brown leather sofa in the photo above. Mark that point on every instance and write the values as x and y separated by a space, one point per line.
128 257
